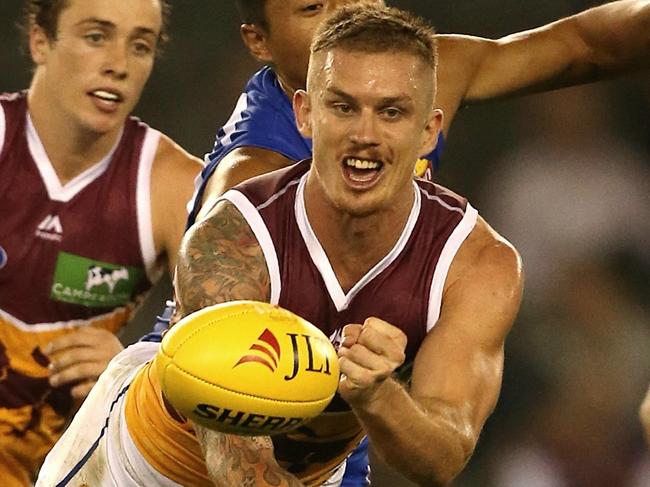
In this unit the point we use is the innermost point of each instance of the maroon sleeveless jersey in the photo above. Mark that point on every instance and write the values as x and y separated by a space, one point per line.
71 255
404 289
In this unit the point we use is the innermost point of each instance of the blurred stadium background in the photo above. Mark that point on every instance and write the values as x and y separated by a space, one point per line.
565 176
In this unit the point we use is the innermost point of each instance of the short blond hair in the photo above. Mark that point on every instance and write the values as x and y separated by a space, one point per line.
373 28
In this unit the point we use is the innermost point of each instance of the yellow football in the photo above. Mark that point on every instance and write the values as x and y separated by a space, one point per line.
248 368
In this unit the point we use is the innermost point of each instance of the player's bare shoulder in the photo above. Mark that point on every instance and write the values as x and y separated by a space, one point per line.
172 162
239 165
488 264
172 184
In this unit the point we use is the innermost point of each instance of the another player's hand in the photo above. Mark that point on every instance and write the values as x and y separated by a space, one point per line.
80 357
369 354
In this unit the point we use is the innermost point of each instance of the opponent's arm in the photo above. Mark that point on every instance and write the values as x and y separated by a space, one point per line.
596 44
239 165
429 433
220 260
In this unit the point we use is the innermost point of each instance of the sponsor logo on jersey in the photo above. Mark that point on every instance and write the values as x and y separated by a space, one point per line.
3 257
92 283
50 228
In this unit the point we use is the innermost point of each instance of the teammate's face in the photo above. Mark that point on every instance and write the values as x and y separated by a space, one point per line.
291 26
369 116
95 69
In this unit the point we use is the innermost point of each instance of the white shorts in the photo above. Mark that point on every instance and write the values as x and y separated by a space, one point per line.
96 450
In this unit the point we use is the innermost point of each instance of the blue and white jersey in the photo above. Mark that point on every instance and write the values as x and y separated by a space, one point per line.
264 118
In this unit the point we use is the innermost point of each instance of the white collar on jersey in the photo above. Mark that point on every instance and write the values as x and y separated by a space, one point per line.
55 190
340 299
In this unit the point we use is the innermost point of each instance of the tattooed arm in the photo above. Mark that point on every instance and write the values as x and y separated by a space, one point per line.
220 260
242 460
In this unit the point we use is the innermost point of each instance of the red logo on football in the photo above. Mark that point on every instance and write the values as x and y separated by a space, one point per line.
267 344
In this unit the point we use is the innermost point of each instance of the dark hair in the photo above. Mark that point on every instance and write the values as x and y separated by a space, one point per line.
46 13
252 12
372 28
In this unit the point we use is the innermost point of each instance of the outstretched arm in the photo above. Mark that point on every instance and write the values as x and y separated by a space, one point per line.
220 260
456 374
595 44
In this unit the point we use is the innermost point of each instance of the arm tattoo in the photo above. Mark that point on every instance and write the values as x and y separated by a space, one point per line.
220 260
245 461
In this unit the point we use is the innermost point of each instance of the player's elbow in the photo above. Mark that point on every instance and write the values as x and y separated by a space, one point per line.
615 42
441 470
459 455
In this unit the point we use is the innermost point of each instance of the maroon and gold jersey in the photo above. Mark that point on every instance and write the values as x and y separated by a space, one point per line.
404 289
71 255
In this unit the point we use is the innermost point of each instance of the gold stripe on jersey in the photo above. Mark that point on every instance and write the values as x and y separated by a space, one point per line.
32 414
167 444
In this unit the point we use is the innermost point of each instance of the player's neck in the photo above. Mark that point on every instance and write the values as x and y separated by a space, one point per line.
286 86
355 244
70 148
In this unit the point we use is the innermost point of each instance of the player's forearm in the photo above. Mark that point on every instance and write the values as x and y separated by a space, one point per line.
240 460
428 448
599 43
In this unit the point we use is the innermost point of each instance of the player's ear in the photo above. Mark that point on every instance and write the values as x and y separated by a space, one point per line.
254 38
39 44
431 131
302 110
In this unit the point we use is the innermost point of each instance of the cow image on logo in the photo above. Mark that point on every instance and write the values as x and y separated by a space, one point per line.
275 371
99 275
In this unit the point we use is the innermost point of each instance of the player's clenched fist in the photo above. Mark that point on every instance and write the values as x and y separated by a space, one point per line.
369 354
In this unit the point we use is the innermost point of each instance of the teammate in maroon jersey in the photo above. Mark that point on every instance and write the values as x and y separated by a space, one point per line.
92 204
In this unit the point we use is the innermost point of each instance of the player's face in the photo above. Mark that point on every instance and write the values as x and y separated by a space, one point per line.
291 26
95 70
369 115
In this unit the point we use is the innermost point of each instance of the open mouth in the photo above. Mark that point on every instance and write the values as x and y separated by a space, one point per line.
362 173
107 97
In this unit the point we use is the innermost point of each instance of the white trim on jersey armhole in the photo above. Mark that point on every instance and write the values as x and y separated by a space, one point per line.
228 129
455 240
235 117
3 127
198 183
254 219
143 205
